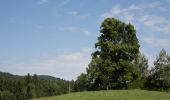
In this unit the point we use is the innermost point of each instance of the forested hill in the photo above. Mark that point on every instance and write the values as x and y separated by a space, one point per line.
16 87
6 74
43 77
47 77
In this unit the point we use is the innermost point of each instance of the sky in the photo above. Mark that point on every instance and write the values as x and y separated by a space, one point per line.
57 37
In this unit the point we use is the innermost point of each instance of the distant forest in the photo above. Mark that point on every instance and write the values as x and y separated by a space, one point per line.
117 63
14 87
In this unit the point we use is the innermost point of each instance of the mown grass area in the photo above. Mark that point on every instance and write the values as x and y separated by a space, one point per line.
112 95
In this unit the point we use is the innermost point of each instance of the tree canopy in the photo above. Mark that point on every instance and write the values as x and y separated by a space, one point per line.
112 64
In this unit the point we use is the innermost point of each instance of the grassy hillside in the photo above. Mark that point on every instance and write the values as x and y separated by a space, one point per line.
113 95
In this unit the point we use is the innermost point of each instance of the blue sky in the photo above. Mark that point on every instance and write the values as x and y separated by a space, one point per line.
56 37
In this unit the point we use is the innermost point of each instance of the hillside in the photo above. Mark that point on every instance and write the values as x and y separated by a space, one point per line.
47 77
9 75
43 77
16 87
112 95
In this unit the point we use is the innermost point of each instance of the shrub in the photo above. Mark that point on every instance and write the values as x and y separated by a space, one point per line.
7 95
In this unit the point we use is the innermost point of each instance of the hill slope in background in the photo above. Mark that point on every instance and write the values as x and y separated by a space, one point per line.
47 77
44 77
112 95
15 87
9 75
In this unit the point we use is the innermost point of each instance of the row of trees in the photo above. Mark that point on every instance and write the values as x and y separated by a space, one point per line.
27 87
159 76
118 64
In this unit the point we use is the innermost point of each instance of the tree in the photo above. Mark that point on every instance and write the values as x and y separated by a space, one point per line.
71 87
142 64
28 87
81 82
28 78
112 64
162 69
35 79
20 95
160 75
7 95
29 91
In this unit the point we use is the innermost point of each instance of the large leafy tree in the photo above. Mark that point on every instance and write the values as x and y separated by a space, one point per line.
112 64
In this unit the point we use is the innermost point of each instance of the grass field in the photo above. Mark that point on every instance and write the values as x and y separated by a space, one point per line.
112 95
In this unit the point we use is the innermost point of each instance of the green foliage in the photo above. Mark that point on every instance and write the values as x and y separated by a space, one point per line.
162 68
28 79
112 65
7 95
30 91
81 83
142 64
160 75
27 87
137 84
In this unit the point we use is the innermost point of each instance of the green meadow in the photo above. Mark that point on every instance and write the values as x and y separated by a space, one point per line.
112 95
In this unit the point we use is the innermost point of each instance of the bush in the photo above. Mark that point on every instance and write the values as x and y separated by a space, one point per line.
137 84
7 95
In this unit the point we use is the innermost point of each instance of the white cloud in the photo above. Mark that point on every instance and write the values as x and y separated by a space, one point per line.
43 1
65 65
87 33
154 4
87 50
73 13
157 42
156 23
64 2
76 29
128 17
78 15
117 10
139 14
124 14
149 56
